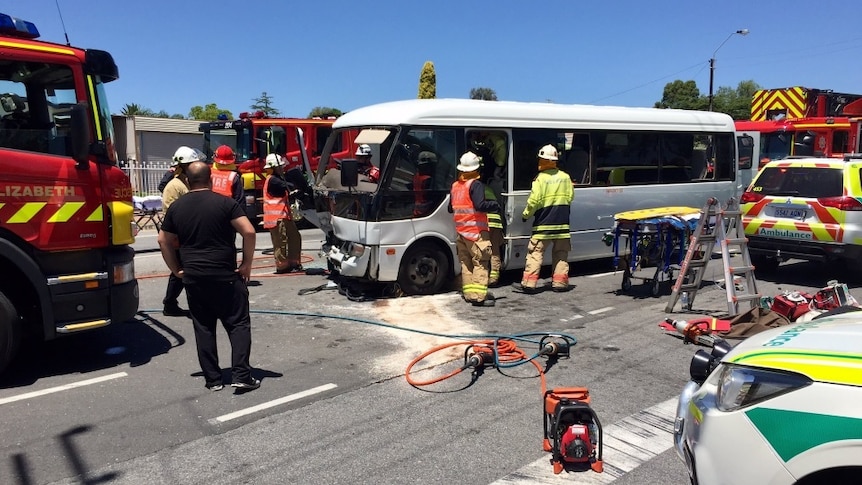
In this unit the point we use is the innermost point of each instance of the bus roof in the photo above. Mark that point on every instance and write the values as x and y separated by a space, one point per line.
513 114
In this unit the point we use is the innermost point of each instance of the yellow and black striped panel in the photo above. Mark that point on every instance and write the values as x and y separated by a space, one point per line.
792 100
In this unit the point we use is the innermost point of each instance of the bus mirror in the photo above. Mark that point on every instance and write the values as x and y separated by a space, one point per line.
80 133
349 173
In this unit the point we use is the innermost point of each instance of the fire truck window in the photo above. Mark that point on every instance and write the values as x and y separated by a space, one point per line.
35 106
840 140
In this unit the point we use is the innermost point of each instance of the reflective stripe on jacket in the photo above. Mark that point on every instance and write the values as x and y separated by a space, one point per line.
274 208
223 182
468 221
551 201
494 219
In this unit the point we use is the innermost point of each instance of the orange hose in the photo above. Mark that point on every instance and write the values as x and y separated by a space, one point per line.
507 352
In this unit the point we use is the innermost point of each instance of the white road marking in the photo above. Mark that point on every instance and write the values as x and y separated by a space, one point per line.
627 444
260 407
64 387
601 310
602 274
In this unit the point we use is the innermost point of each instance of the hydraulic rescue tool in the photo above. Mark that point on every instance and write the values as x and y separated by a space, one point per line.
697 330
573 433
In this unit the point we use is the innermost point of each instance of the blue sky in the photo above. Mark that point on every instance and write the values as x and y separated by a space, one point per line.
173 55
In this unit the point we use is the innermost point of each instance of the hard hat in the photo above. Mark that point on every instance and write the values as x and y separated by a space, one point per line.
186 155
469 162
427 157
548 152
224 155
273 160
363 151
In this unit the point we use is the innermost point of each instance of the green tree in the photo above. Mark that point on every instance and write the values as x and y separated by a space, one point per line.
264 103
324 112
209 112
486 94
427 81
134 109
177 116
736 102
682 95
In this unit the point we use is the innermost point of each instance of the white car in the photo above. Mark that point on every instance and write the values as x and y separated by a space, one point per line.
784 406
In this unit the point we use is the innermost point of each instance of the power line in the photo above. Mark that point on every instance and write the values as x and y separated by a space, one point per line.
650 82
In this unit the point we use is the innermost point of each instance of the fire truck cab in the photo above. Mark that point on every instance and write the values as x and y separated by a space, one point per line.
66 213
254 136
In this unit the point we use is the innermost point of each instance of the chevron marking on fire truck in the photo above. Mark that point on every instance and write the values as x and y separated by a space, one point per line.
96 215
791 99
26 212
65 212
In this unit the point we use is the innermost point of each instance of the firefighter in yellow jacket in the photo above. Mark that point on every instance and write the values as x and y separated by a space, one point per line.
470 209
286 240
550 201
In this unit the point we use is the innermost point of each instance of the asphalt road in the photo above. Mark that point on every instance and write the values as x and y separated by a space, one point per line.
127 405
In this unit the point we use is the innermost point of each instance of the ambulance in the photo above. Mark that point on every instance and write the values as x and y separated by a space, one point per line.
781 407
804 208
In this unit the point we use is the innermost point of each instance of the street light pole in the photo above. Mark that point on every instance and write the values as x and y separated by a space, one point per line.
712 61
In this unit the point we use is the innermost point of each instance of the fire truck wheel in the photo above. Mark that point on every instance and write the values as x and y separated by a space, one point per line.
424 270
10 332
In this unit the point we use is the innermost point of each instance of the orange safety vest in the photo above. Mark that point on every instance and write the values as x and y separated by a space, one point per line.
223 181
468 221
420 201
274 208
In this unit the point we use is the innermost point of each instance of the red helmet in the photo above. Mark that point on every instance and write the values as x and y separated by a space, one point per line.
224 155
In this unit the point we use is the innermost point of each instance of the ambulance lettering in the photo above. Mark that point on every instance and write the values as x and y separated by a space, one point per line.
784 233
790 334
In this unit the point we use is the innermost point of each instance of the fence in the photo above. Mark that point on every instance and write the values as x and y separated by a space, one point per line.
145 176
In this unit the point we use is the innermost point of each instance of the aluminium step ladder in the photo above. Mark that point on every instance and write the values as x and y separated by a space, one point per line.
724 227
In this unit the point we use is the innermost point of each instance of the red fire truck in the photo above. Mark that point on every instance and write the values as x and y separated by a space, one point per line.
254 136
803 121
65 207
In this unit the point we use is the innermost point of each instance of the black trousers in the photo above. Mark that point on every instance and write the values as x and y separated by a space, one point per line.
210 301
175 287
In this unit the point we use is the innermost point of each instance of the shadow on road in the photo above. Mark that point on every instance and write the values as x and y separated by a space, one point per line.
134 342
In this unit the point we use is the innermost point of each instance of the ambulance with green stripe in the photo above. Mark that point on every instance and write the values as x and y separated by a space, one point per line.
784 406
806 208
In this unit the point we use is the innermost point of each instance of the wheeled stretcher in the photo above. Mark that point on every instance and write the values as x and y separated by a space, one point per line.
650 244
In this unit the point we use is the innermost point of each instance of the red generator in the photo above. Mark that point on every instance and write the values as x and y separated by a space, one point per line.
573 433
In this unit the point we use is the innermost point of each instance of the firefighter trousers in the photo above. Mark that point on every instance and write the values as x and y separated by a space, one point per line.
497 242
286 244
475 257
560 254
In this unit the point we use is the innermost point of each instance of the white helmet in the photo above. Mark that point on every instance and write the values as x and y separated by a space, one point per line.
363 151
469 162
548 152
186 155
273 160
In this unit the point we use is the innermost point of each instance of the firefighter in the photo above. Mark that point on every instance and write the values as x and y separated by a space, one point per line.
363 161
286 240
550 201
421 185
226 180
495 230
176 187
470 209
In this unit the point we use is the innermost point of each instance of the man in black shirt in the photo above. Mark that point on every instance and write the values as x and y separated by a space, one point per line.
204 225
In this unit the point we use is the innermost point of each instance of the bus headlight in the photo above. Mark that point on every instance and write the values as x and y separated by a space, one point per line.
124 272
742 386
355 250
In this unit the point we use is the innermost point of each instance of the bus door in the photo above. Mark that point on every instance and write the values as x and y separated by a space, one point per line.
747 152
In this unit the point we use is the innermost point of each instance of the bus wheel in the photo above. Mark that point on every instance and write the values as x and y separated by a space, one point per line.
424 270
10 332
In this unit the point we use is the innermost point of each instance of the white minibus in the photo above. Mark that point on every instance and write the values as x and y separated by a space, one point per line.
395 227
